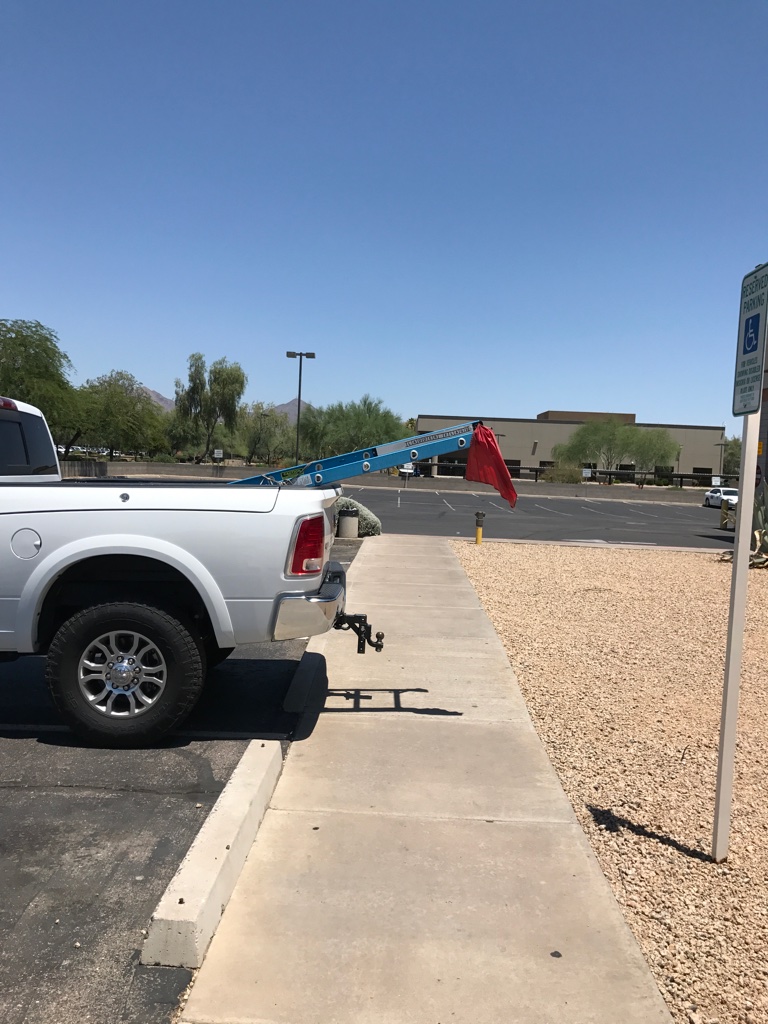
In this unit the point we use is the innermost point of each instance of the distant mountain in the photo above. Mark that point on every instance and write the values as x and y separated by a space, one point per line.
290 409
161 400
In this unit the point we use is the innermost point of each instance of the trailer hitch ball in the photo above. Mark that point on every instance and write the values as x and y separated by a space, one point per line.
479 517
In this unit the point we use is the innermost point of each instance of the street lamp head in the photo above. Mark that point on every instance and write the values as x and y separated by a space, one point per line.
292 355
309 355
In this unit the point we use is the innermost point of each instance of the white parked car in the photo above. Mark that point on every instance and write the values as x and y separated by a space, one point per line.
715 497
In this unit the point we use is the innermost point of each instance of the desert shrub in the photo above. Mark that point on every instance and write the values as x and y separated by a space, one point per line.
563 473
163 458
369 525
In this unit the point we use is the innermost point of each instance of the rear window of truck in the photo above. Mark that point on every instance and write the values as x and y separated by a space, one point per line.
25 445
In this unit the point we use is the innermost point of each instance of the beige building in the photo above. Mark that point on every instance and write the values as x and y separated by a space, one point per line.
527 444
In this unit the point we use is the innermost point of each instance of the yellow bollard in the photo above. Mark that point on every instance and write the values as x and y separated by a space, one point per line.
479 517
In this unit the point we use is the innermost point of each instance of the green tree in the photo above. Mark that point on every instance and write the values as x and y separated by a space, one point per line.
211 396
121 415
606 443
267 435
314 437
732 456
72 420
345 427
183 436
651 447
611 443
231 442
34 369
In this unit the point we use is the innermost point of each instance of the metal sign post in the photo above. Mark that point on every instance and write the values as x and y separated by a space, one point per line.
735 641
747 396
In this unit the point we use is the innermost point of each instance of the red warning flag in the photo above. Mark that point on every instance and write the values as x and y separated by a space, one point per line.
486 466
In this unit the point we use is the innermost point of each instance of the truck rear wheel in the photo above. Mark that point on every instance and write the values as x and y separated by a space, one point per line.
123 675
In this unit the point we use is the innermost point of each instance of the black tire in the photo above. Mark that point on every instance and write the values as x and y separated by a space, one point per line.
706 502
128 702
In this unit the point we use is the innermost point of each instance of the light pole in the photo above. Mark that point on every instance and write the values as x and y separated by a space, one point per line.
301 356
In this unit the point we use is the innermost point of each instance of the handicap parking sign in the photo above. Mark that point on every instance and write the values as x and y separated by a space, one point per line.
751 334
751 342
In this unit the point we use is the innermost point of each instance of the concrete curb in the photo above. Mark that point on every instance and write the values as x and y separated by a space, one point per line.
189 911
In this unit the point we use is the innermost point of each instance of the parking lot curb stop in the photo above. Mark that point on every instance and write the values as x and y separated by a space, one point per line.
189 911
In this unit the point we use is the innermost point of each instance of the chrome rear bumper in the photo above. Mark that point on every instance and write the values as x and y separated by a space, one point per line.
302 615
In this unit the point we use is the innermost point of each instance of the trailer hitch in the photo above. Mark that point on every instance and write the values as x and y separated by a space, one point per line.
362 627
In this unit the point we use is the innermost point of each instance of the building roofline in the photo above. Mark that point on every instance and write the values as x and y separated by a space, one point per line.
684 426
580 423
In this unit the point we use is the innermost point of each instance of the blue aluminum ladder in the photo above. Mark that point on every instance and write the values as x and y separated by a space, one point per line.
326 472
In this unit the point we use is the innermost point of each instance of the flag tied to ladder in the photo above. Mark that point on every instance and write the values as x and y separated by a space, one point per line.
485 464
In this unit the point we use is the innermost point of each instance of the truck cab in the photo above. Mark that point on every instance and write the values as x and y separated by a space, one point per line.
27 451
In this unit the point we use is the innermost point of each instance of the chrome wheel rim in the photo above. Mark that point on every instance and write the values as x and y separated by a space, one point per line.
122 674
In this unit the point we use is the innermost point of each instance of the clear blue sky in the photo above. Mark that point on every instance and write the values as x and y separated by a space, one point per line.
487 207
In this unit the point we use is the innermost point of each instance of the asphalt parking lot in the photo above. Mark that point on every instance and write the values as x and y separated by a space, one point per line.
91 838
538 517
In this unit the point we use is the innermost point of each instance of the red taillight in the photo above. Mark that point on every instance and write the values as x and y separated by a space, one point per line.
6 403
309 548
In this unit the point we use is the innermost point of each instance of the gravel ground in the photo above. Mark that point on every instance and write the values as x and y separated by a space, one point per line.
620 655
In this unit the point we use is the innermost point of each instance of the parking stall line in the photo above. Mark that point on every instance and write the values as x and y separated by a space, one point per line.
411 501
609 515
462 504
555 511
676 511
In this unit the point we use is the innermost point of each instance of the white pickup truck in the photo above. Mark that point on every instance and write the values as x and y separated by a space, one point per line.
133 589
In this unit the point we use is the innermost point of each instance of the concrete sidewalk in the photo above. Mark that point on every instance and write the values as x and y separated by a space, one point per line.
420 862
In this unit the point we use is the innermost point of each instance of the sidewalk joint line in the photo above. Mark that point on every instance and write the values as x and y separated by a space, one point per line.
572 821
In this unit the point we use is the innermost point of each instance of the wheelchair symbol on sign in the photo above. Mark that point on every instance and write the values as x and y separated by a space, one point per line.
751 334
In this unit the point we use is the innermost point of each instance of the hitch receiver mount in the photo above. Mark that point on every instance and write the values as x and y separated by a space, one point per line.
360 625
